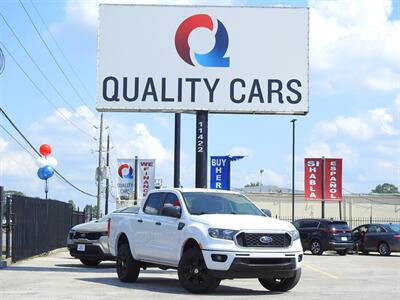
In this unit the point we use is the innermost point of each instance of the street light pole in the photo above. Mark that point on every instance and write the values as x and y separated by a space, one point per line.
293 162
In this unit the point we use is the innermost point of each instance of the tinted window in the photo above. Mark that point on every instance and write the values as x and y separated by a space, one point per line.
172 199
309 224
375 229
395 227
153 204
339 226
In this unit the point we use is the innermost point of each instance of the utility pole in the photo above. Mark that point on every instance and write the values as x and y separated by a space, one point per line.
177 151
98 173
108 179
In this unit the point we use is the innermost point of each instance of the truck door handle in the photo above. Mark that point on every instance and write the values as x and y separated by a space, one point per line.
140 221
158 223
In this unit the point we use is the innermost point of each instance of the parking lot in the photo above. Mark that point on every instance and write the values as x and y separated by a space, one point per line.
58 276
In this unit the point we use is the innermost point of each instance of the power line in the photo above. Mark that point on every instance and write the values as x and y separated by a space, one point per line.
52 55
38 67
60 49
18 142
43 94
37 152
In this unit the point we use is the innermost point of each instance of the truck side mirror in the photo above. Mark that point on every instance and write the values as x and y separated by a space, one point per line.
171 211
266 212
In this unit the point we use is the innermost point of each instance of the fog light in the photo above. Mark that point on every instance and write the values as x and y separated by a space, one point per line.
300 257
219 257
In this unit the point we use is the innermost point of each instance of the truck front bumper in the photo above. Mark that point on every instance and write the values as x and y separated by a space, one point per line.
227 265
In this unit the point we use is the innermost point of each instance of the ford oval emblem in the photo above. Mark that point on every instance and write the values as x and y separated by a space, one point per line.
265 239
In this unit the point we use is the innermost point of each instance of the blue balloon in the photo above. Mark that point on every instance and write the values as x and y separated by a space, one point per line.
45 172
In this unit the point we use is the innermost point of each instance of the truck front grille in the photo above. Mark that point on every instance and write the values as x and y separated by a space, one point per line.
87 235
276 240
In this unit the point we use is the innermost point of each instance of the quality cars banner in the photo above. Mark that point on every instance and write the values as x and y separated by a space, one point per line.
217 59
146 176
126 176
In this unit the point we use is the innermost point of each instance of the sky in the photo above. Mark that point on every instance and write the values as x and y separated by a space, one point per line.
354 103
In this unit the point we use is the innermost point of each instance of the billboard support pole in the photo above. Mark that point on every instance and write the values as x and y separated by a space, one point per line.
108 179
177 151
201 148
323 189
293 163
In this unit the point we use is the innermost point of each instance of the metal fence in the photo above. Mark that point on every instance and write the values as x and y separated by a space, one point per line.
37 226
353 222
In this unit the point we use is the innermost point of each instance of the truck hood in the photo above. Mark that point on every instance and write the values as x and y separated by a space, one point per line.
91 227
242 222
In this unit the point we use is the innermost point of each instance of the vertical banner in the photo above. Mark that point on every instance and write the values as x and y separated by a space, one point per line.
146 174
313 178
125 183
220 172
333 179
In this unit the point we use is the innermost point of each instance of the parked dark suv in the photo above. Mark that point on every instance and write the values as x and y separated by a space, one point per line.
319 235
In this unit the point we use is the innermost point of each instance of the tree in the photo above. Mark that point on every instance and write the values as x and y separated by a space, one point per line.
72 204
386 188
11 192
90 212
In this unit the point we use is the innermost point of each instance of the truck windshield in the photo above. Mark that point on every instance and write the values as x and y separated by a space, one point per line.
199 203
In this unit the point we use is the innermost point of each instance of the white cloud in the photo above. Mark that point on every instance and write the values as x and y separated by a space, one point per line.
383 80
240 151
3 144
352 127
318 149
163 121
384 121
355 40
397 103
269 177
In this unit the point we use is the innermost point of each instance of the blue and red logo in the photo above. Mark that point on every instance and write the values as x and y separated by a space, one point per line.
125 175
214 58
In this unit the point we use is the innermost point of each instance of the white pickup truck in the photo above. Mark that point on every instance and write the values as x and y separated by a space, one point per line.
207 235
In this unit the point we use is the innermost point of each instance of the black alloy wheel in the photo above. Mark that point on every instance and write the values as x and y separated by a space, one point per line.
193 273
316 247
280 284
127 267
384 249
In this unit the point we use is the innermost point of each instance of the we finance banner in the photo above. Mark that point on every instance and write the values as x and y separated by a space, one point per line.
146 176
126 178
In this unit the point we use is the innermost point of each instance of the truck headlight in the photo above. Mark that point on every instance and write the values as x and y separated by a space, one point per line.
294 234
225 234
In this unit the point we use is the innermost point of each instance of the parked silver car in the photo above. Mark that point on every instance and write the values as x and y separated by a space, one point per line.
89 241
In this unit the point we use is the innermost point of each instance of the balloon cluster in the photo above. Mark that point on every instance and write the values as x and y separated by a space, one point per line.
46 163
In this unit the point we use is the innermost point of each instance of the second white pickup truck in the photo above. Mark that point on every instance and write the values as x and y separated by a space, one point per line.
207 235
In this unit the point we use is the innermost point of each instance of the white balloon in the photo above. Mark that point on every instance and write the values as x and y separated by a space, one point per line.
41 161
51 161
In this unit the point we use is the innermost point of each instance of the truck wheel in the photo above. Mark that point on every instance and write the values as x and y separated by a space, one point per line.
316 247
127 268
281 284
90 262
193 273
384 249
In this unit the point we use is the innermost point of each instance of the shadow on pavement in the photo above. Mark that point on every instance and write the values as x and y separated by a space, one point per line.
172 286
63 268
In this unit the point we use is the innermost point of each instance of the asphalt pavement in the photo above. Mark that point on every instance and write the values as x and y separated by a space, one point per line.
59 276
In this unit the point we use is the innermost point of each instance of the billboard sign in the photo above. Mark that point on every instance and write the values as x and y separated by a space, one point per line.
126 178
323 178
146 176
203 58
220 172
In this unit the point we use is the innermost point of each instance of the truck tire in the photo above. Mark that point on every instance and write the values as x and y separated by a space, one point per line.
194 275
127 267
280 284
90 262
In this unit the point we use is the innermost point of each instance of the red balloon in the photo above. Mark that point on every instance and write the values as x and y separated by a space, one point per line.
45 150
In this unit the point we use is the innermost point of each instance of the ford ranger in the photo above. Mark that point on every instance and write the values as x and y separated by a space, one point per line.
207 235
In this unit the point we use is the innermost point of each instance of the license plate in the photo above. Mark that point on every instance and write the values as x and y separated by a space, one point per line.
81 247
344 238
